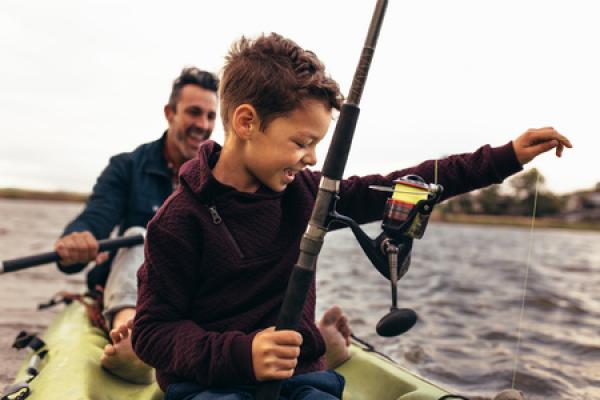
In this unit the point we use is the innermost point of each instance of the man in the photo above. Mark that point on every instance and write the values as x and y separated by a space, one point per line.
127 194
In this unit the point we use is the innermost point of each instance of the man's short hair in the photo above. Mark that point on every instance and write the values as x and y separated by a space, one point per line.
274 75
192 76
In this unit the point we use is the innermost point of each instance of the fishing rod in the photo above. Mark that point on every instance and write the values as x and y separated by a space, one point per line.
17 264
333 170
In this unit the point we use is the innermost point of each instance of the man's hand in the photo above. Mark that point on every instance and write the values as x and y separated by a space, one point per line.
79 248
275 353
537 141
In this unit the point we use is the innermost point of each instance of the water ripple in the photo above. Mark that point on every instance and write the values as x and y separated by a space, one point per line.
466 284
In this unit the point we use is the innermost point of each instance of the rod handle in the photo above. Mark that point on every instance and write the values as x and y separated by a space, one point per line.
289 316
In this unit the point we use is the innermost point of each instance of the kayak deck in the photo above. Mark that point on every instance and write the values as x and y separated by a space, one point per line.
71 370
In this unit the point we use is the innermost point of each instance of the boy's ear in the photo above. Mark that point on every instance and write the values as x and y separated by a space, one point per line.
244 121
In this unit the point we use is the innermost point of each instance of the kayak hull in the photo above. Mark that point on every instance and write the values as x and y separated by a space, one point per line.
71 370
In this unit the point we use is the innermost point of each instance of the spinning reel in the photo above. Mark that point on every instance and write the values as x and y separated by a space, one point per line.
405 218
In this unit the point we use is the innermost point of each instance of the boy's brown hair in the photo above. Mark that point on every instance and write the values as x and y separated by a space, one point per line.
274 75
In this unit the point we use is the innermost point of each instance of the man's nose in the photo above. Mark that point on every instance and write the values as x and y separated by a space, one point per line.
202 122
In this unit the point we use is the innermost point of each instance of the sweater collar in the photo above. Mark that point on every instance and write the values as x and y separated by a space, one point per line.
197 175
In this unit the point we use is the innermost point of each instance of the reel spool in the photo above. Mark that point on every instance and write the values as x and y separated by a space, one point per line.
407 211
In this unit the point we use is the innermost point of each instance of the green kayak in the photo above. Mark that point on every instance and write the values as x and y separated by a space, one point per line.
70 370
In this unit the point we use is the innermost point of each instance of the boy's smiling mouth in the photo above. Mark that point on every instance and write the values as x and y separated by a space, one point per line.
289 174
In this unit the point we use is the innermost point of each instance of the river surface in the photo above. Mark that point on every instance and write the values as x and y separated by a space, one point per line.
465 282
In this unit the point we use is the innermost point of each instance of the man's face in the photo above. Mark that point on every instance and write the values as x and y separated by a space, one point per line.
192 121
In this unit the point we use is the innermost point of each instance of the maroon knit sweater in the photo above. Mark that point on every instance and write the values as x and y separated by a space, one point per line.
218 262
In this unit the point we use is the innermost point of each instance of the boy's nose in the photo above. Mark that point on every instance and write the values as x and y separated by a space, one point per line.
310 158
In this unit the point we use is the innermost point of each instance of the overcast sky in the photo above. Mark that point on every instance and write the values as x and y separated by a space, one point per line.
82 80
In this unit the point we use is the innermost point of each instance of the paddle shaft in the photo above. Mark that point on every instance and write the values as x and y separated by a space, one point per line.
333 170
43 258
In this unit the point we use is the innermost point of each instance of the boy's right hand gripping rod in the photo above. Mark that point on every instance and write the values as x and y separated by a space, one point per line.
333 170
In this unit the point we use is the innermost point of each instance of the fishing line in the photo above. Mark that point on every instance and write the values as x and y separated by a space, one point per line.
527 265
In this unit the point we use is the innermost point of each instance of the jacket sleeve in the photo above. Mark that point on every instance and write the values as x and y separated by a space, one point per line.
458 174
106 206
164 334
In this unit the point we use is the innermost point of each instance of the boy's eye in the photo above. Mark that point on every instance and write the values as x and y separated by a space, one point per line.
299 144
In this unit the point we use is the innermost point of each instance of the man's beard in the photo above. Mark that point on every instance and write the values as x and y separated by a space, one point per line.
183 137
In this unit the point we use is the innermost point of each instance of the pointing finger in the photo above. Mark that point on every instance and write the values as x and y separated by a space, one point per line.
543 147
559 149
553 134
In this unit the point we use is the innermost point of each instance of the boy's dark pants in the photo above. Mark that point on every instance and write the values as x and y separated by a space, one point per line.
321 385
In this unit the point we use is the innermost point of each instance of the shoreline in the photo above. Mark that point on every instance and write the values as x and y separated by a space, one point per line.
437 216
29 194
511 220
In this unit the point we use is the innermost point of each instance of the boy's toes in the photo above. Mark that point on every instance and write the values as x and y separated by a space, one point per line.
344 329
109 350
115 336
332 316
124 331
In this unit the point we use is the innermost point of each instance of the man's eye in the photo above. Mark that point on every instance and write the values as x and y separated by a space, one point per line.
301 145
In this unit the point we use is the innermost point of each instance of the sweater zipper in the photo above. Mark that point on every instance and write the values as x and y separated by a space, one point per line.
217 220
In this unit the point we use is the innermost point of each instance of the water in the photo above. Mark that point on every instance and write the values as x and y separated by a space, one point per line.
465 282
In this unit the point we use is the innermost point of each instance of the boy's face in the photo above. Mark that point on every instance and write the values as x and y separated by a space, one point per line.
286 146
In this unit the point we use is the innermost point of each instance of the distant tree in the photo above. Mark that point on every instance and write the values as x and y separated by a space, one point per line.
549 204
465 204
492 202
524 183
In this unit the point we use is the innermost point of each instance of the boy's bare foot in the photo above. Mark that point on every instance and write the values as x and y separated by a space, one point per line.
336 332
120 359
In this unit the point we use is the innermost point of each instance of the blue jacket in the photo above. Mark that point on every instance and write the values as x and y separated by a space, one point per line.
127 193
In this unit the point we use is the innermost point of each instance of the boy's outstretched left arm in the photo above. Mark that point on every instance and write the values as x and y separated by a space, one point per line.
537 141
458 174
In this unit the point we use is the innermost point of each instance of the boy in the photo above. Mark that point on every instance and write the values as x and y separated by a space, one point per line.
220 251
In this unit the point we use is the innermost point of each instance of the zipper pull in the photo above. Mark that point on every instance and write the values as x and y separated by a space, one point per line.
215 215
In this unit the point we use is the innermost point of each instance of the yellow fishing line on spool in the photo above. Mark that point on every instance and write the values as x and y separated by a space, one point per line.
409 193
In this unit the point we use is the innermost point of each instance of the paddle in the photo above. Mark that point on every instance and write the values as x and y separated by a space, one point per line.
333 169
43 258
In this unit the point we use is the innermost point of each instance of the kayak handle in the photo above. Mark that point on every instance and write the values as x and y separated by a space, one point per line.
16 264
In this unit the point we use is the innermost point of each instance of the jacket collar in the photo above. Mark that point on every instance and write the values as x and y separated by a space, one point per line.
155 161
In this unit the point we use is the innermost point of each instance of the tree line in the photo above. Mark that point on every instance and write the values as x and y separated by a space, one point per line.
515 198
